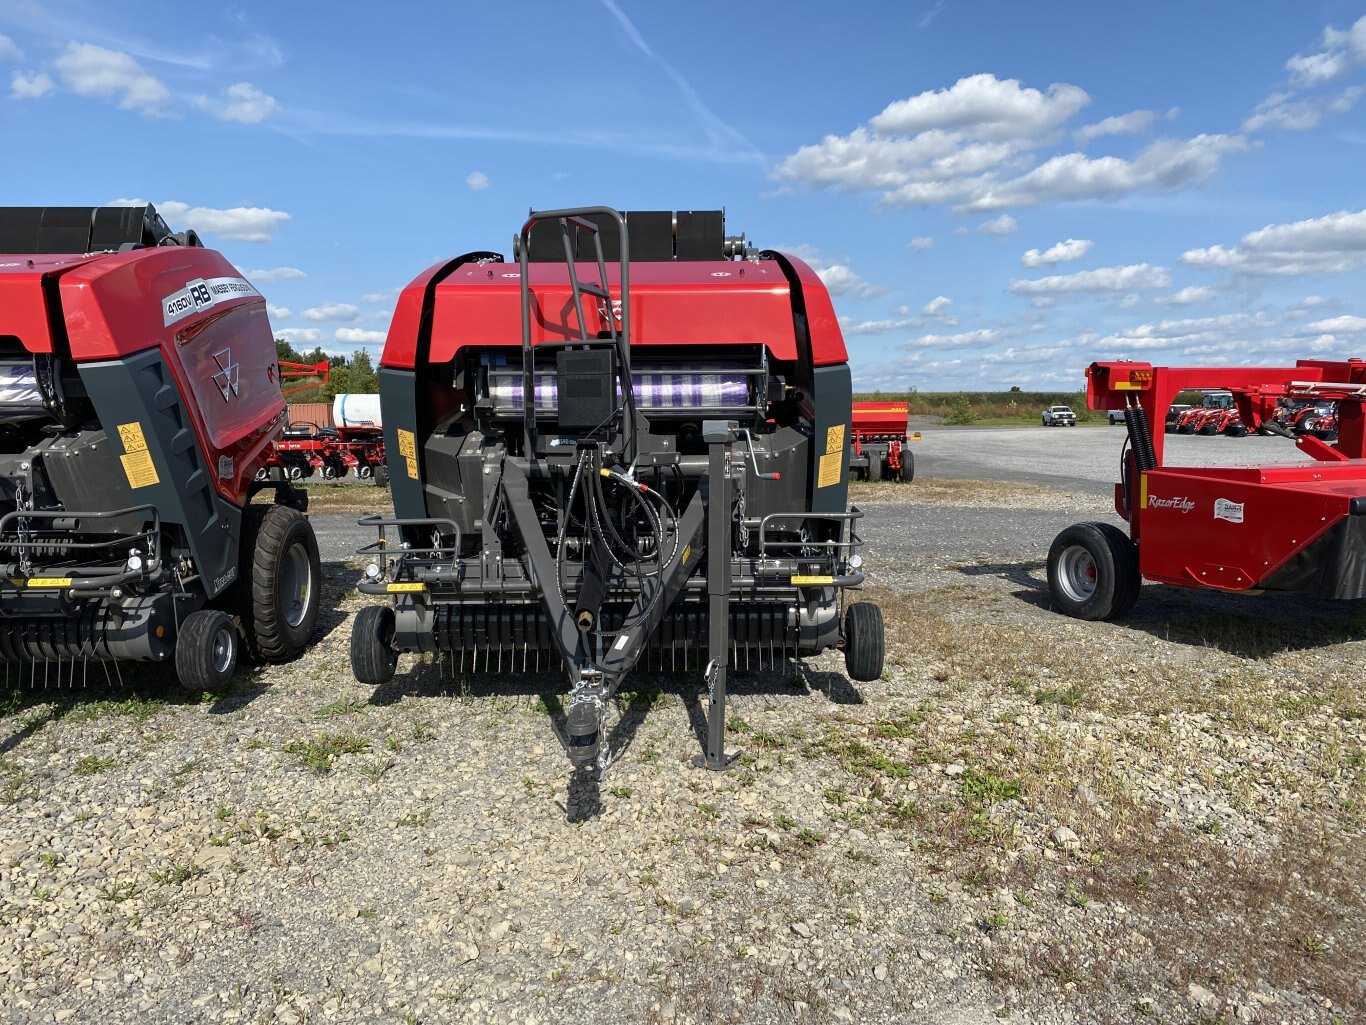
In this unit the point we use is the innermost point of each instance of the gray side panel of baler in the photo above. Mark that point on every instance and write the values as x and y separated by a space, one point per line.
398 407
832 394
141 388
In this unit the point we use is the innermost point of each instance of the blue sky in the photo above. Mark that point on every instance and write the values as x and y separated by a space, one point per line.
997 193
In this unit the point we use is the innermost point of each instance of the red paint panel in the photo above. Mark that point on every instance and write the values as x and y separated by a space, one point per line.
679 303
1231 527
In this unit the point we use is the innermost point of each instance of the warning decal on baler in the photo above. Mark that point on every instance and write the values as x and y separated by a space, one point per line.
831 467
407 448
139 469
137 463
132 437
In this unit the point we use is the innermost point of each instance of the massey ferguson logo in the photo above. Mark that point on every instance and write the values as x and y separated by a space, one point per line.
228 376
203 293
1183 504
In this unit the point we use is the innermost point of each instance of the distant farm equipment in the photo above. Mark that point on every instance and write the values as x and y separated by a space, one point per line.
881 449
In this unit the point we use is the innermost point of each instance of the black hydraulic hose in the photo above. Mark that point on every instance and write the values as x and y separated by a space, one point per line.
1141 435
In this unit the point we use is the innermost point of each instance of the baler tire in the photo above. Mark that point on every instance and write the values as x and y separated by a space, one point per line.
373 658
865 644
279 554
206 650
381 476
1093 571
907 466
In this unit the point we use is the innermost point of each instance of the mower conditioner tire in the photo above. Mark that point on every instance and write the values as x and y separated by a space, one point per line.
373 658
280 581
381 476
1093 571
865 646
206 650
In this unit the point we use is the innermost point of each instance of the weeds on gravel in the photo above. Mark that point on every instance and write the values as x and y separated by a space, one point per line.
118 891
321 752
176 874
342 706
984 788
93 765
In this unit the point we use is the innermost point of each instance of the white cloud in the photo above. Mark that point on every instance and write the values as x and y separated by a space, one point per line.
331 311
9 50
966 339
1348 324
266 277
921 243
277 311
1102 279
1326 245
937 306
380 297
1003 225
1136 122
477 181
1340 51
877 327
243 223
1282 111
243 102
30 86
840 279
358 336
1189 295
1164 166
90 70
989 107
1068 249
299 335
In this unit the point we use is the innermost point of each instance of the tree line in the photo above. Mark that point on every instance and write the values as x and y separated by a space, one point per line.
346 375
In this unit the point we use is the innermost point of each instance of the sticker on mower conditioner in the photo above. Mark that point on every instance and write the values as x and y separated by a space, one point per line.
202 293
1226 510
137 460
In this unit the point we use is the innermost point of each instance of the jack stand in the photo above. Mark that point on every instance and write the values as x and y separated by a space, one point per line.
720 437
584 721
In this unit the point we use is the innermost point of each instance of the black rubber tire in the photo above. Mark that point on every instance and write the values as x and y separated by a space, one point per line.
263 473
373 658
1207 430
329 472
865 645
206 650
381 476
877 466
363 471
907 466
294 471
1115 579
275 473
1237 431
275 541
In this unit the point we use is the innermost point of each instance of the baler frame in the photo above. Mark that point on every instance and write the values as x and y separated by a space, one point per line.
602 616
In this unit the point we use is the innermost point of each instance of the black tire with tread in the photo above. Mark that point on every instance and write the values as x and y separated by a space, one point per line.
373 658
1118 579
907 466
381 476
268 532
865 645
195 662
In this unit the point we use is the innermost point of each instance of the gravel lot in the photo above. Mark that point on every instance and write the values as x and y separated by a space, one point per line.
1027 818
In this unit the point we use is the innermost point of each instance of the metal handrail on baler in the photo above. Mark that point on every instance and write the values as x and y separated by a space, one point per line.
93 577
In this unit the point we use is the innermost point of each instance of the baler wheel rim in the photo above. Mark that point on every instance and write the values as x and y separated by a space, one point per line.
206 650
373 658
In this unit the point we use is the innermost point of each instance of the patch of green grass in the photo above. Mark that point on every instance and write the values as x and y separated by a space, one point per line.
1069 697
93 765
190 766
175 874
899 727
987 788
140 709
620 792
416 819
118 891
810 838
320 752
342 706
784 821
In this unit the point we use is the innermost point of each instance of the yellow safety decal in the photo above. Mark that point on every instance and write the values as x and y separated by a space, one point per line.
834 439
410 462
831 469
404 588
139 469
407 443
686 552
48 582
132 437
805 581
1143 491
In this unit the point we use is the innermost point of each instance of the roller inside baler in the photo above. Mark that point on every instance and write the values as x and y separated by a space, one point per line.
1274 528
140 395
626 449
